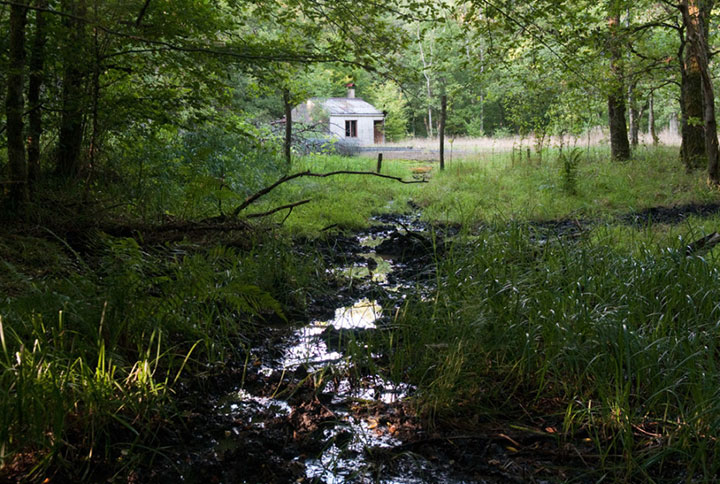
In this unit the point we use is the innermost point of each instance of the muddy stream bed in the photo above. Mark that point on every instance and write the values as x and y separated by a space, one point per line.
300 408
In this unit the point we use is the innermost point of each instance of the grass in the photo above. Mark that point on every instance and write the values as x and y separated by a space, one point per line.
345 201
474 190
469 193
90 358
612 333
621 348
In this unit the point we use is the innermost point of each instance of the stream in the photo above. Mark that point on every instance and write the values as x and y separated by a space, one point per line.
300 409
303 408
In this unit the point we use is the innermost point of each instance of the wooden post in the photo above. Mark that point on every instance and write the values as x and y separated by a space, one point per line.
379 165
288 127
443 112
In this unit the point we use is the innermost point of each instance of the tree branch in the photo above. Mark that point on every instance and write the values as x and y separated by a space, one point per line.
142 13
252 198
275 55
277 209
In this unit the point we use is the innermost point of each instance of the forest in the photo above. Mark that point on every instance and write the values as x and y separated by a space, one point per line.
207 276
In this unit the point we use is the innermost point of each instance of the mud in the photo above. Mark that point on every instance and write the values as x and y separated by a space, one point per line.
300 410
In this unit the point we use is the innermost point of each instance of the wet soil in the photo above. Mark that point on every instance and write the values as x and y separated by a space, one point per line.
299 410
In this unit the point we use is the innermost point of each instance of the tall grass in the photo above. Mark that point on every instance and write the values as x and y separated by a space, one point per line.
89 362
482 187
470 192
615 346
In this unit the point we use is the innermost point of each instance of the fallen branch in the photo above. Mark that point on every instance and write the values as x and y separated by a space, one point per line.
252 198
703 245
277 209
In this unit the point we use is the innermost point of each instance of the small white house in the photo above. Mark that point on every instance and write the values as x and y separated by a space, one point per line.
348 119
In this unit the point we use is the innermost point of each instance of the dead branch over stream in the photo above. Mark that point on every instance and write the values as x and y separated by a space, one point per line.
252 198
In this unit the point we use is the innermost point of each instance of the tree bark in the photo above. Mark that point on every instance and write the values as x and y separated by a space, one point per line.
635 115
37 62
692 148
651 119
14 108
443 114
619 144
426 74
695 15
71 122
288 127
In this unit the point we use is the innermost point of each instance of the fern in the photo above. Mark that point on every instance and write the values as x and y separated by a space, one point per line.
570 161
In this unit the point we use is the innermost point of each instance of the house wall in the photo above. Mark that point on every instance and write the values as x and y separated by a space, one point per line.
365 128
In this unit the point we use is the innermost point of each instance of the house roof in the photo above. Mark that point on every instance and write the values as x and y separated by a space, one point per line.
316 108
343 106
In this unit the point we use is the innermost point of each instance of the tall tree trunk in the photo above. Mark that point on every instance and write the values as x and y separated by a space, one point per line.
634 117
288 127
426 73
651 119
692 149
71 122
14 107
695 18
619 144
441 130
37 62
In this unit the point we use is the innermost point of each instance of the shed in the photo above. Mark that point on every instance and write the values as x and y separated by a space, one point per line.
348 119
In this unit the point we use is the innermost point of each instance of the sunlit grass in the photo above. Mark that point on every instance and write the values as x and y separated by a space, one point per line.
343 201
89 360
475 189
469 192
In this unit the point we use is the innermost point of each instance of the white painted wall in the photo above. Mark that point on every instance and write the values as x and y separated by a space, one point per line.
365 128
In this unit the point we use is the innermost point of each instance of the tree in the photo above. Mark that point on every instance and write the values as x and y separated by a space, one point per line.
35 84
695 15
14 108
691 103
73 89
619 144
387 97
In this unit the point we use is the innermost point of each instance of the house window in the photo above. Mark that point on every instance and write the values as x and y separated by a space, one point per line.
351 129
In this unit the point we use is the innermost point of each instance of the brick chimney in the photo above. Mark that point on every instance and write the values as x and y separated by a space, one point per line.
351 89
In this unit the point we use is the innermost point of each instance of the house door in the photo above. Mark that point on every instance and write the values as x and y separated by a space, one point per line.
378 131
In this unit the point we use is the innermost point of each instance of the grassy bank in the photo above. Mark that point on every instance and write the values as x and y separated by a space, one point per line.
614 349
92 346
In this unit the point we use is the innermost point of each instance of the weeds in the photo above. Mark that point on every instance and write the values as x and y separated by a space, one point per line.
89 362
607 342
569 161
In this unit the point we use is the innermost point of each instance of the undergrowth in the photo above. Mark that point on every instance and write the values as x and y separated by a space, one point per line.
610 332
619 348
90 359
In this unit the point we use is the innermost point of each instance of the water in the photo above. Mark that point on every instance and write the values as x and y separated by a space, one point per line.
349 434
